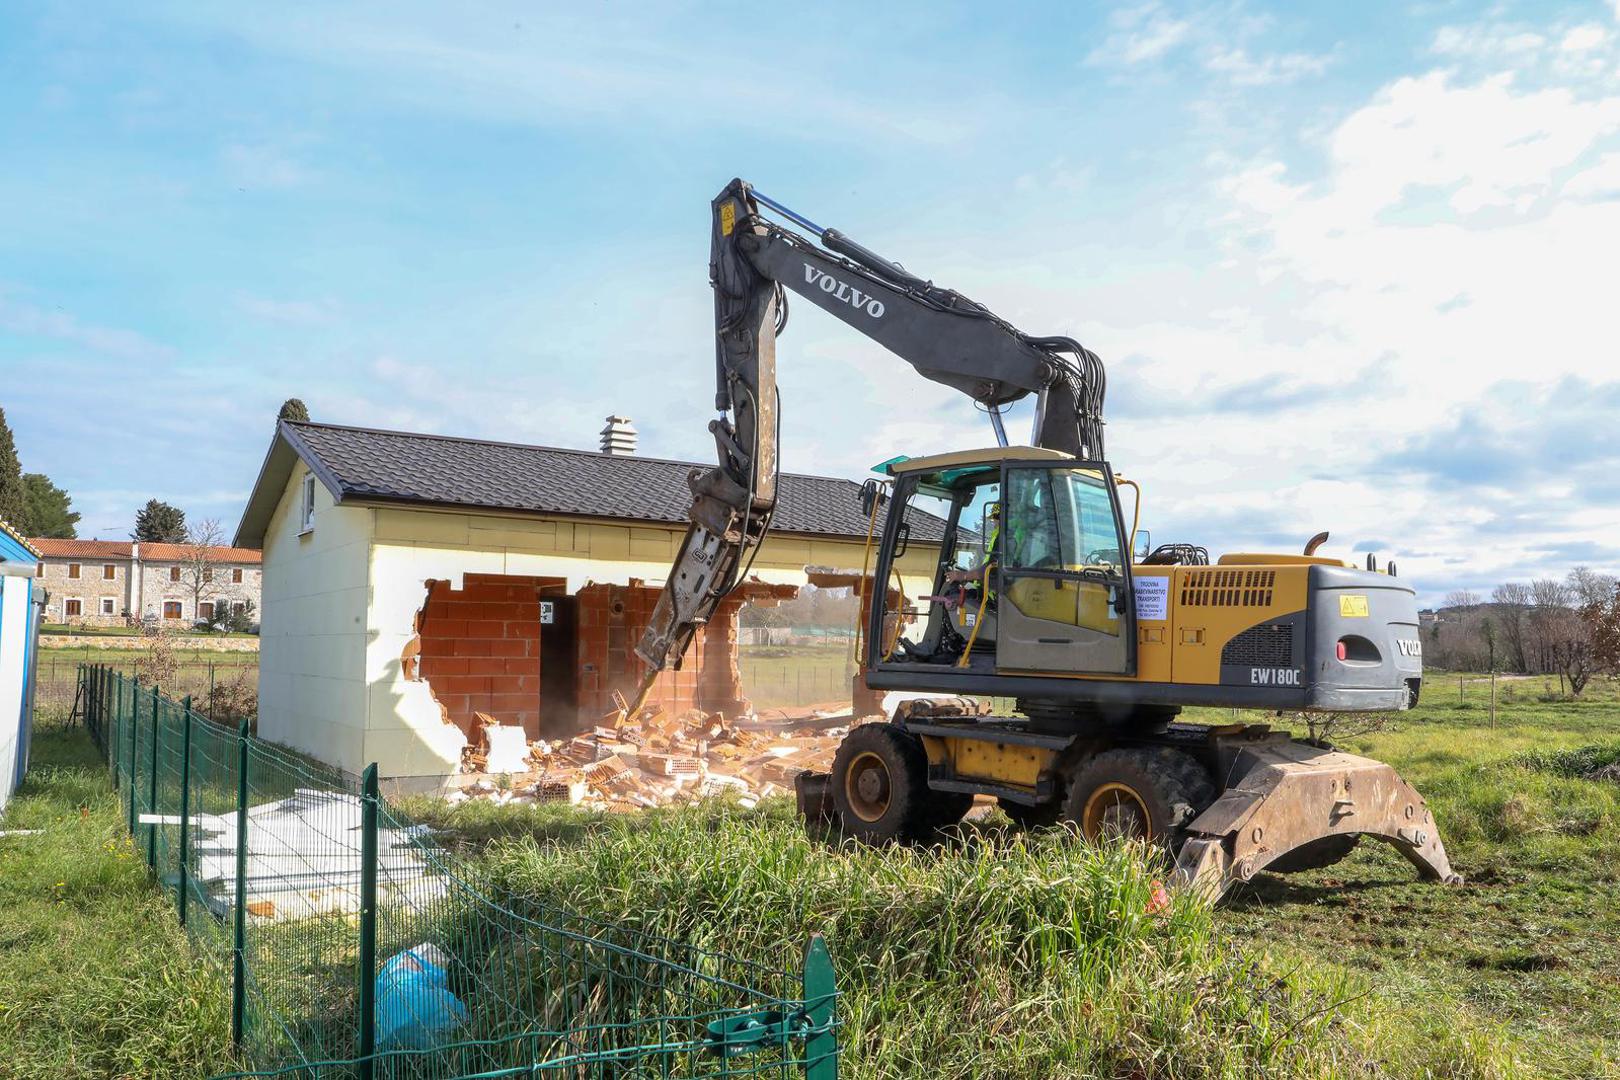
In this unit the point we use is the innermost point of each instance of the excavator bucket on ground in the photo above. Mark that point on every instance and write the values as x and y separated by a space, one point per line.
1292 800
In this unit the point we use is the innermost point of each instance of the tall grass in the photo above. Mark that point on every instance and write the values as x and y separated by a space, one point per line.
999 955
96 976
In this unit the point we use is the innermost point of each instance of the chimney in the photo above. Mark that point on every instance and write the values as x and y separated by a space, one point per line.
619 437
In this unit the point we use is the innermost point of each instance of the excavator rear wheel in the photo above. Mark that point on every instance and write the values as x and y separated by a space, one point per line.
1139 793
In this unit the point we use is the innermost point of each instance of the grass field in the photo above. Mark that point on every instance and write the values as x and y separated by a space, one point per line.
784 676
1000 954
96 978
1013 955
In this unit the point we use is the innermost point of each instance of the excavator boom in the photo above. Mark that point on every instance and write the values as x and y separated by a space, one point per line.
942 334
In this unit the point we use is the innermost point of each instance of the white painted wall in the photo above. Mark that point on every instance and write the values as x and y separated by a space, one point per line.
313 630
13 676
339 607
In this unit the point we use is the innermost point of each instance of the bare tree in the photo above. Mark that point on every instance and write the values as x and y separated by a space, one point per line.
199 562
1549 604
1588 586
1512 600
1462 599
1603 626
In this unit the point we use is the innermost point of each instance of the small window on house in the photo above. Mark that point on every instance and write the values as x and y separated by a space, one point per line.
205 610
109 572
236 576
107 607
72 609
39 571
306 505
174 573
73 569
238 608
208 573
171 609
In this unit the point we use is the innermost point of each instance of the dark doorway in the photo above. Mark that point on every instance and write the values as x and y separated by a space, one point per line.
559 666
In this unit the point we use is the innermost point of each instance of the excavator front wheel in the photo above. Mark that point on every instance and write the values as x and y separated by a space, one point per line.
1139 793
880 784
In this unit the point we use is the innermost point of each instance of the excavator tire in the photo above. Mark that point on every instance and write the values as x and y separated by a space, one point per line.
1138 793
1032 817
880 785
1316 855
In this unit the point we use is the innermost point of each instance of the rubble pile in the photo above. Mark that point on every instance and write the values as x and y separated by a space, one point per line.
655 759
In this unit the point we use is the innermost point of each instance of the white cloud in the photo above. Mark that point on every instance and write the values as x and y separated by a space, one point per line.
1487 41
1237 66
32 321
1584 38
289 312
605 66
1141 34
1443 258
1600 181
259 165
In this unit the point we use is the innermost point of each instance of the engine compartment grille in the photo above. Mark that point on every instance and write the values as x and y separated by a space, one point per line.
1228 588
1270 645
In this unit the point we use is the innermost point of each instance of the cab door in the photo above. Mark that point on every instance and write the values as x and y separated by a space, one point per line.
1064 603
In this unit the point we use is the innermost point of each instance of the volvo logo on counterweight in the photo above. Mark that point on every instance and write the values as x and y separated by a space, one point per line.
844 291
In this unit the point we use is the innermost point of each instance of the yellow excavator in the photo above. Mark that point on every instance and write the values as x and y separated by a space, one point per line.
1042 595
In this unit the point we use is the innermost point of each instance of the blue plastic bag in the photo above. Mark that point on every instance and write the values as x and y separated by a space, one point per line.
415 1008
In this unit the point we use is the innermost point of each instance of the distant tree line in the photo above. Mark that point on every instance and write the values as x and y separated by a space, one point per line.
29 501
1568 627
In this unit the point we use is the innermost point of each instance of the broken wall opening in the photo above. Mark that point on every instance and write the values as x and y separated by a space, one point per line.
523 651
478 649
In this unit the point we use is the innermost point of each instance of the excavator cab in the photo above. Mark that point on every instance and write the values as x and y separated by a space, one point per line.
1031 576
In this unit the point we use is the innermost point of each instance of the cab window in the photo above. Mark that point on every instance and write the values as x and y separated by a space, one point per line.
1060 519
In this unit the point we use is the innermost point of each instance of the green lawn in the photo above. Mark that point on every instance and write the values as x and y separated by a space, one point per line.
96 977
999 954
1533 938
1355 971
790 675
130 631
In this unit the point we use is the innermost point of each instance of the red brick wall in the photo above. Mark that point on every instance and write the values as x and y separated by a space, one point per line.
611 620
480 648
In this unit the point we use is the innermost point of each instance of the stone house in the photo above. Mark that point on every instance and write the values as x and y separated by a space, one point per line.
411 581
115 582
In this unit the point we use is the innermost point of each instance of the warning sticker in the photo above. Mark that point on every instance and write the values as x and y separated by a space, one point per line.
1352 607
547 613
1153 597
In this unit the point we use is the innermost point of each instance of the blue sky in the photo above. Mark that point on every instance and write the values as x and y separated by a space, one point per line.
1350 266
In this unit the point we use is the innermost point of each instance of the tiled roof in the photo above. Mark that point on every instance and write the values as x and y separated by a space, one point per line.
155 552
366 465
124 549
82 549
27 545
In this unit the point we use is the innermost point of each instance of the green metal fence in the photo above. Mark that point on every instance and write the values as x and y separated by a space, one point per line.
355 947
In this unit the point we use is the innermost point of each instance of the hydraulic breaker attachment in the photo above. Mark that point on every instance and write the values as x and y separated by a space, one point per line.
1283 794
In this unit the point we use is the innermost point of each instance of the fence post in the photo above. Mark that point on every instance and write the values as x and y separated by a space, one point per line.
239 953
152 790
820 1001
134 745
185 806
368 923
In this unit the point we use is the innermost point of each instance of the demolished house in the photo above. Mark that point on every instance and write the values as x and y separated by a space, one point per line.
417 588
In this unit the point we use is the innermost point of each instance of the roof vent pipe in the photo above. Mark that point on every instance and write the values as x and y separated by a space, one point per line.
619 437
